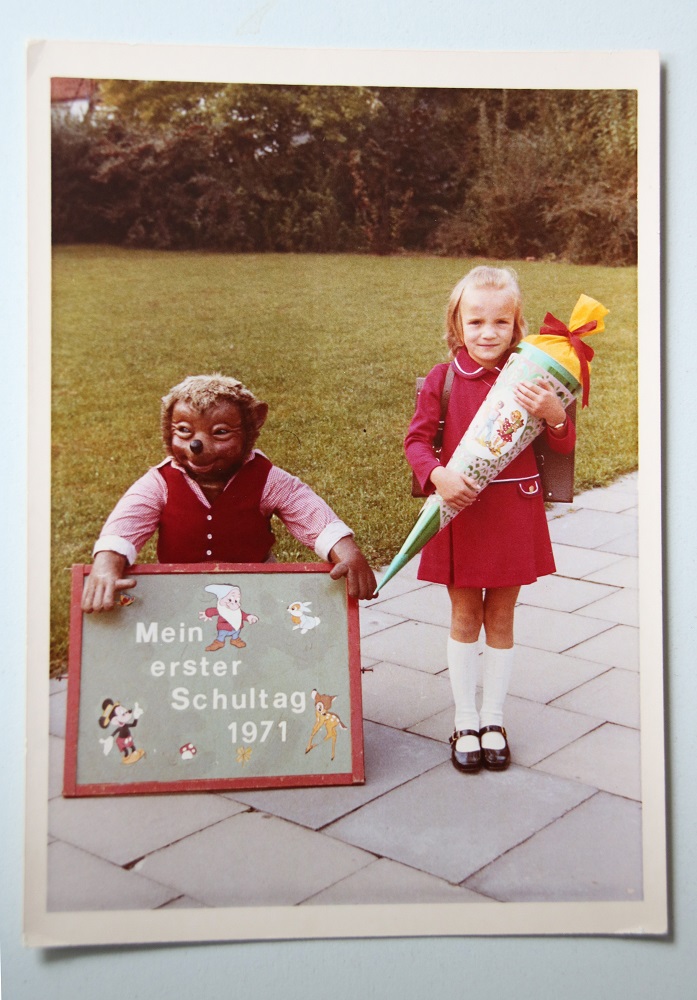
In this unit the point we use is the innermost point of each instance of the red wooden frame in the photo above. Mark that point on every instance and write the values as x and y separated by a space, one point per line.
71 788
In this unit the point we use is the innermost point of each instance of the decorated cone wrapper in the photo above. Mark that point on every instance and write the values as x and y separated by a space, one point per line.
502 428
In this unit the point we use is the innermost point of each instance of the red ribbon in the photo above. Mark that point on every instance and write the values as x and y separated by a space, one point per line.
553 327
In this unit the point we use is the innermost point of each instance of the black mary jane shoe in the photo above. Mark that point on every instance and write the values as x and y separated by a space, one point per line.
470 760
495 760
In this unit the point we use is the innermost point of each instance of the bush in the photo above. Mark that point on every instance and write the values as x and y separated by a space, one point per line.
542 174
561 187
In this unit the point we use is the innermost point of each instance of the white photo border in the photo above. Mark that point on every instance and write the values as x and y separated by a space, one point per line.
637 70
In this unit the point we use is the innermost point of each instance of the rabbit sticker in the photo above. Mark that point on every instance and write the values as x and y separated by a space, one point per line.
300 615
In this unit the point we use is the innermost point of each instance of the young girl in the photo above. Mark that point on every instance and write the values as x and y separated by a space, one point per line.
500 540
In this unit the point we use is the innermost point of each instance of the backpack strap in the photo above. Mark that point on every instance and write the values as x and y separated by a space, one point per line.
416 490
444 400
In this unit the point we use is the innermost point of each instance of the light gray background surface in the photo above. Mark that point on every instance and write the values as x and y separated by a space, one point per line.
522 968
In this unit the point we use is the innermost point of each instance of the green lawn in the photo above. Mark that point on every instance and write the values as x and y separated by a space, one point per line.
332 343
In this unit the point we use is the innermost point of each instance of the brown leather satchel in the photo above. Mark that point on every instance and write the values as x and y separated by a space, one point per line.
556 470
416 490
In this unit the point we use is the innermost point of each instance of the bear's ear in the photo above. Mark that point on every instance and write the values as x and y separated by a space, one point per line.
261 412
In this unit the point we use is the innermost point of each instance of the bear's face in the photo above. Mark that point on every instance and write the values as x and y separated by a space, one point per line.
211 445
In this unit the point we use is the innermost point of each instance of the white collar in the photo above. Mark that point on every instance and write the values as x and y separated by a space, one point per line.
476 372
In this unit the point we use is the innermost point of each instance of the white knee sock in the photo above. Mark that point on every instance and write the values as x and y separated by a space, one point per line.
498 664
463 661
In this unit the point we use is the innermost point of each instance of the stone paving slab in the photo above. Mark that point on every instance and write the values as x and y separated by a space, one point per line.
539 675
56 754
614 695
561 593
624 545
534 731
623 573
410 570
555 631
591 853
430 604
412 644
122 829
451 824
621 607
403 583
253 859
400 697
439 726
577 562
608 758
590 528
183 903
537 731
57 710
386 881
79 881
392 757
375 619
618 647
629 481
417 826
612 501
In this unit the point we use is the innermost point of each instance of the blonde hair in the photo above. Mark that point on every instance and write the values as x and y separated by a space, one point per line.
201 392
498 278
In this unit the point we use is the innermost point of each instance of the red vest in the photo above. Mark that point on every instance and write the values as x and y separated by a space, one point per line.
231 530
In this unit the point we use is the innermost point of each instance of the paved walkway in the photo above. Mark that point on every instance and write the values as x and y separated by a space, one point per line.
563 823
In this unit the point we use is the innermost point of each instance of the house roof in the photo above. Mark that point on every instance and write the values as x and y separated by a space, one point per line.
65 89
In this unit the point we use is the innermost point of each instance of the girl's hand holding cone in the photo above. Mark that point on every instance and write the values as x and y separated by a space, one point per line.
458 490
541 401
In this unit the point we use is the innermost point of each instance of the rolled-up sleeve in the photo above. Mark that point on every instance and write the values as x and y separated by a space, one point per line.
306 515
135 518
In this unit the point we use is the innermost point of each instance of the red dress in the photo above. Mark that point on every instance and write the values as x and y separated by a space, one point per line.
502 539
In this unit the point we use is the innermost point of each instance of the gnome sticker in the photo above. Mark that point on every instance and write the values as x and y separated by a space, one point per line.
124 720
231 617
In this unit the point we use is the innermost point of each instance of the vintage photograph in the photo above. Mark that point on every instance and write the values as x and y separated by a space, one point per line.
382 320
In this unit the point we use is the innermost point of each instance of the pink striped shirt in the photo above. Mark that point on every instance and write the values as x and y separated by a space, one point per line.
136 516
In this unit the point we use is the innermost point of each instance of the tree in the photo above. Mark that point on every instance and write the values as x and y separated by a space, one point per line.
377 169
556 176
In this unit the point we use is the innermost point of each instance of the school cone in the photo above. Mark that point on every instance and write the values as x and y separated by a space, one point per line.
501 428
427 525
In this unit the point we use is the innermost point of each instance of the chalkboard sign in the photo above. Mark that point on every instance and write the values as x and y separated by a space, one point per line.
207 678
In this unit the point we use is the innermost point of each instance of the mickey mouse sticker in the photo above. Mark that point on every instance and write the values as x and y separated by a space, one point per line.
123 719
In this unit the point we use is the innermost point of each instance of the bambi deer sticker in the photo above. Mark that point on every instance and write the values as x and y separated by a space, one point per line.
324 719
